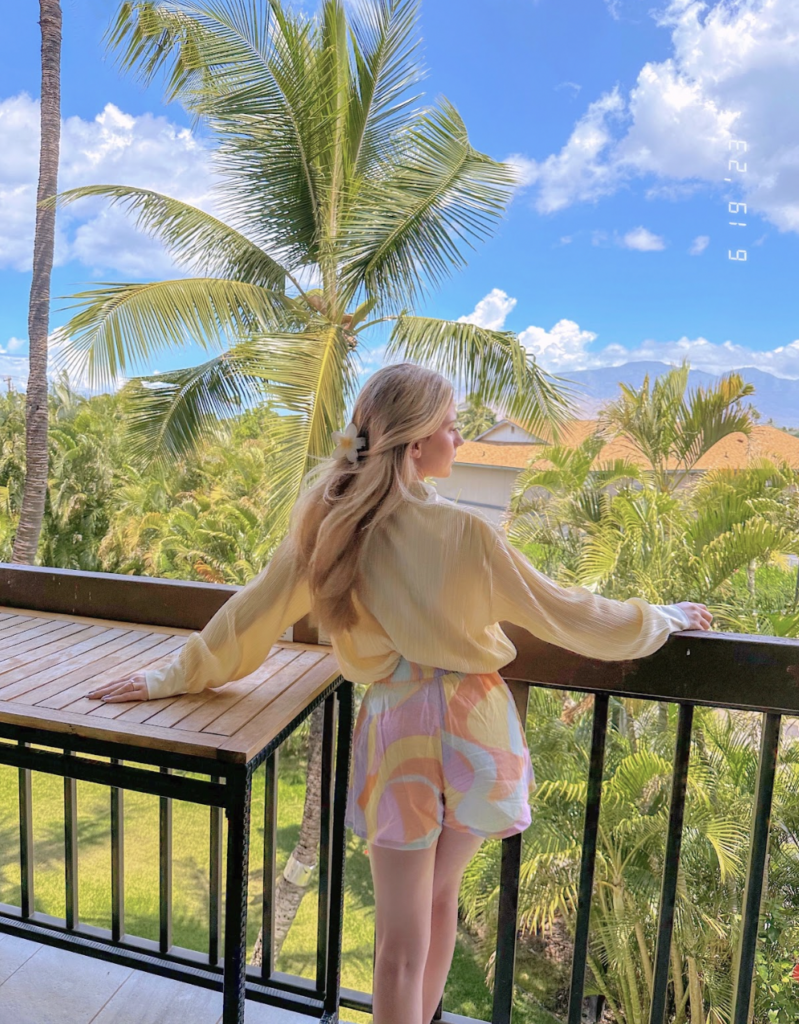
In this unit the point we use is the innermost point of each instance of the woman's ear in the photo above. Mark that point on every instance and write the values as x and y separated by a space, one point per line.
416 450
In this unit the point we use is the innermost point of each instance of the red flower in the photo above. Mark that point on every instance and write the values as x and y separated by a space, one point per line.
795 973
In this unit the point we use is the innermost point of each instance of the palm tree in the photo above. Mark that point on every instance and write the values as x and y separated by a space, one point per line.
26 540
475 417
667 547
341 201
672 430
557 496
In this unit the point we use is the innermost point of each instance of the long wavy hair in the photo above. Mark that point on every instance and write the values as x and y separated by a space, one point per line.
398 405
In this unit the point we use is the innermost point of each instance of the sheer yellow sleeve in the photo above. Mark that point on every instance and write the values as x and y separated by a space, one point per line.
239 637
575 618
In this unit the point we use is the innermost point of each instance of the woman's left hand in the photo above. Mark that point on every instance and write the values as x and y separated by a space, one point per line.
131 687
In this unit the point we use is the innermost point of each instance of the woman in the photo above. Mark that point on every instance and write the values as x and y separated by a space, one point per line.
405 583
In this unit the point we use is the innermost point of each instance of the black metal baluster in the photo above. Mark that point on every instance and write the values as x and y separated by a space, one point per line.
238 809
338 846
505 956
117 861
71 849
215 882
510 866
270 852
25 841
756 871
668 892
165 870
325 849
588 860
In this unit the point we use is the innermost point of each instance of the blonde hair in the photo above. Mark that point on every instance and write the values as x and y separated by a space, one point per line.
398 405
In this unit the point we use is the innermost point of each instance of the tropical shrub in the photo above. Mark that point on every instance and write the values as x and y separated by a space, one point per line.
630 856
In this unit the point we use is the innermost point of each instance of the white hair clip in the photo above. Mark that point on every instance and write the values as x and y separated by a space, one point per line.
349 444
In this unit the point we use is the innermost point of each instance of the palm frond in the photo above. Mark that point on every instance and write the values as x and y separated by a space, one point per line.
709 414
125 324
492 363
744 542
418 213
167 413
310 378
386 69
248 68
192 237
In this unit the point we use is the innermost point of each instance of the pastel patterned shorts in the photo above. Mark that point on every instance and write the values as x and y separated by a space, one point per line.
434 749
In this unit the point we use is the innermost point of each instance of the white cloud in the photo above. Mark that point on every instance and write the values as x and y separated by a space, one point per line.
560 348
114 148
702 354
372 358
570 349
573 86
643 240
13 372
699 244
490 312
581 170
15 345
730 76
567 346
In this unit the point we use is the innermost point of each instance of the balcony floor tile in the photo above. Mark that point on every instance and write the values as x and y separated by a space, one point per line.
44 985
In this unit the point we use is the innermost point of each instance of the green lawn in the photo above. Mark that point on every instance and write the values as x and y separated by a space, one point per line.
466 994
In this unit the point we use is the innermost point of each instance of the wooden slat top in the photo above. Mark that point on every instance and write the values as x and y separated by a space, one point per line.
49 662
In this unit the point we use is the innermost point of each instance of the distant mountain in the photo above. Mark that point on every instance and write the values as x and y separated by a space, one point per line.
775 398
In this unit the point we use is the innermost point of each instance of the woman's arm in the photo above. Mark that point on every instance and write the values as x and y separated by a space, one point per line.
236 640
575 618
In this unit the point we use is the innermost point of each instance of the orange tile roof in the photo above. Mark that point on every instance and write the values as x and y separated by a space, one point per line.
509 456
736 451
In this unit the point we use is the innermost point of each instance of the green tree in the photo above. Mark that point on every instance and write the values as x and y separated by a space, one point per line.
475 417
343 199
557 497
672 427
630 858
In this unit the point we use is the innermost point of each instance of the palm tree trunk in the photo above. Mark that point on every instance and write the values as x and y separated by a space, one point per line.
289 891
695 987
680 995
26 540
646 962
750 578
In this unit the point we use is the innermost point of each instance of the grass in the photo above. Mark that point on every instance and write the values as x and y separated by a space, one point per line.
467 992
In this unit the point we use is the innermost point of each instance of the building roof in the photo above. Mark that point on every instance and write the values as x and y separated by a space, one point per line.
525 437
736 451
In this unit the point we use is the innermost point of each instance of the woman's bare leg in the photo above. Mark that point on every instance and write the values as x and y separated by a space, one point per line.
453 852
403 884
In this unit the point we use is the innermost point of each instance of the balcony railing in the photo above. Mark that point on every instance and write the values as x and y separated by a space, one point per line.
752 673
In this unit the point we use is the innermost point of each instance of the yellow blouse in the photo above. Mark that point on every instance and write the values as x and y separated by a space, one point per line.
437 580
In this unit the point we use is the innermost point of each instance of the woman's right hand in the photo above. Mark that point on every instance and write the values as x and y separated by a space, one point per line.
133 687
698 615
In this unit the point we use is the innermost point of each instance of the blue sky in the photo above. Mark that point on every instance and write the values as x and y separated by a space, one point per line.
620 115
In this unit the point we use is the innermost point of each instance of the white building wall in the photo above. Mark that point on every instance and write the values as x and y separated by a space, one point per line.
506 432
484 488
